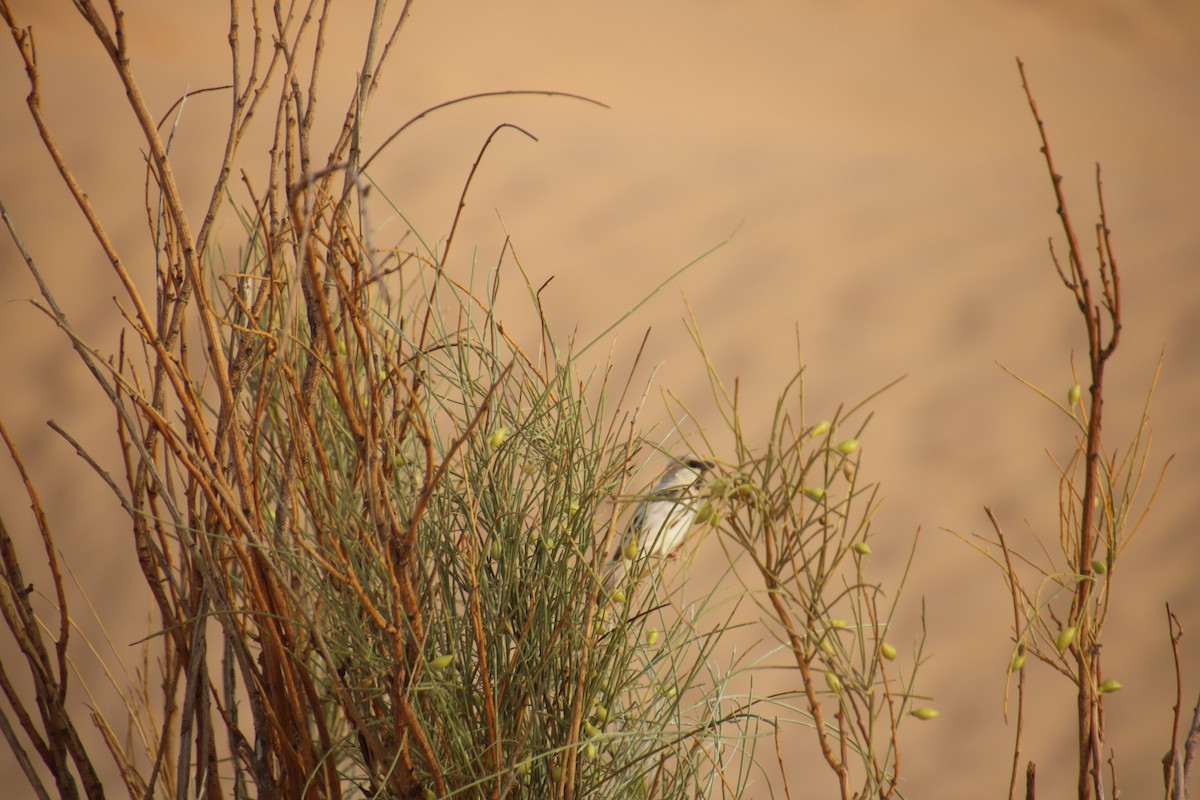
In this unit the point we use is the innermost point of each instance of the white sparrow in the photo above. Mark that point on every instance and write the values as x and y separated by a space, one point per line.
664 516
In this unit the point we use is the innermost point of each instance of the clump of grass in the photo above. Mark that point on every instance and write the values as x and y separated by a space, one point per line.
373 525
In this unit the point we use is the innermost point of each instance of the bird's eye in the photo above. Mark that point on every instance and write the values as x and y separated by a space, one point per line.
699 465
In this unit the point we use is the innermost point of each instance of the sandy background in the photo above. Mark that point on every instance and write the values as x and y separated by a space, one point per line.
894 210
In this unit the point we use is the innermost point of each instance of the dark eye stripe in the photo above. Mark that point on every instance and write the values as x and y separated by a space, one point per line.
699 465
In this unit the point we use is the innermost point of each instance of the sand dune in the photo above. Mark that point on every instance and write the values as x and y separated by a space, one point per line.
881 169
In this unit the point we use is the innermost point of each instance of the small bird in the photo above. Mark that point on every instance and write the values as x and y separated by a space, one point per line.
664 516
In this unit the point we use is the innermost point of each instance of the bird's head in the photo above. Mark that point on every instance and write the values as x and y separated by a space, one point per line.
687 471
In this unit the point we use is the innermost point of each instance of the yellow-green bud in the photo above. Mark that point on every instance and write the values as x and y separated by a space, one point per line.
814 492
826 646
573 507
556 771
1064 638
1073 395
618 596
601 713
630 550
1099 567
706 514
591 730
495 550
497 438
1017 662
1110 685
862 548
887 651
848 470
441 662
834 682
820 428
925 713
652 636
523 767
838 623
590 751
847 447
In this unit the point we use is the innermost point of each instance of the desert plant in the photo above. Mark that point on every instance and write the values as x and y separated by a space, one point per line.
1061 600
372 524
796 509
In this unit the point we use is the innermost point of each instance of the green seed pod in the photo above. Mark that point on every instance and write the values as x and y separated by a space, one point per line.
652 636
601 713
814 492
1110 685
495 551
618 596
839 624
573 507
744 492
1073 395
1064 638
497 438
556 771
847 447
441 662
925 713
862 548
590 750
630 550
820 429
826 646
1017 662
591 730
1099 567
834 682
706 514
887 651
523 767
